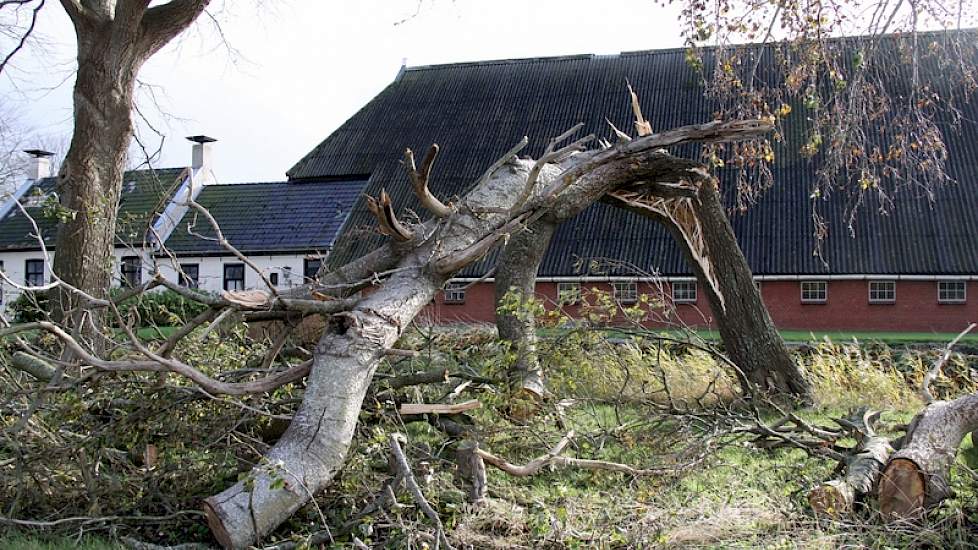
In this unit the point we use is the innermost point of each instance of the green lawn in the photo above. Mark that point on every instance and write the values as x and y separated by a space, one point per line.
803 336
799 336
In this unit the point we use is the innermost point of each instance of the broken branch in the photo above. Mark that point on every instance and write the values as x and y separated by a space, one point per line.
419 181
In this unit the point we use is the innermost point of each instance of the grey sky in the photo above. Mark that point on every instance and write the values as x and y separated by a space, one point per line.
304 66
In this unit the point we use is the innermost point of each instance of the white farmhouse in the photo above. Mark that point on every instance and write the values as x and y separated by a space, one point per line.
285 228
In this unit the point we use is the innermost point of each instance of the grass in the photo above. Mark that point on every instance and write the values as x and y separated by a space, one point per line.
807 336
736 495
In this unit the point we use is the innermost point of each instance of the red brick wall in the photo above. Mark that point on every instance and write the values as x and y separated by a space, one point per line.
847 308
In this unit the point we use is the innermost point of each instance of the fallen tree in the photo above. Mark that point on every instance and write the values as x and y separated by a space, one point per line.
511 194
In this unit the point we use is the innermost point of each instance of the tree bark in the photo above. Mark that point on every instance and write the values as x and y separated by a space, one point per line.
749 336
90 180
863 469
517 272
114 40
916 476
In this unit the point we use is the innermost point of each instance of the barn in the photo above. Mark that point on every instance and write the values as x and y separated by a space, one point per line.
912 266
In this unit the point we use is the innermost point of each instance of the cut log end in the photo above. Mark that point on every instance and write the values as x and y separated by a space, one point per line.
216 525
902 490
832 498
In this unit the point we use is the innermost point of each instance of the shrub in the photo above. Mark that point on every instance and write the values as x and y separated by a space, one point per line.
160 308
152 308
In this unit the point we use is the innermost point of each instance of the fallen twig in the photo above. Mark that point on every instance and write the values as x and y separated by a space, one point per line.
404 469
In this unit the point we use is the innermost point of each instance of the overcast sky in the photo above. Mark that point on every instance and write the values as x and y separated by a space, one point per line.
302 67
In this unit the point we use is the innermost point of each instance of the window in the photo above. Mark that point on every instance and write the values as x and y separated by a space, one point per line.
34 272
568 293
882 292
454 293
684 292
234 277
190 275
814 292
626 292
132 271
287 275
273 278
952 292
311 267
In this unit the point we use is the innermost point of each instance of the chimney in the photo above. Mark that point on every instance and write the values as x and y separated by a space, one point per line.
40 166
203 154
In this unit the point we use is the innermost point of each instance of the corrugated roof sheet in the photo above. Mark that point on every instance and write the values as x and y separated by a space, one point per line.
268 217
144 194
477 111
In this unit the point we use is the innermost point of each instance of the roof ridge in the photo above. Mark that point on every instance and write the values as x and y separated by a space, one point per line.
670 50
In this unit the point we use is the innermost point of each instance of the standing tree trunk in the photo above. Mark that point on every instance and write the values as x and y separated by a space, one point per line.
114 40
517 272
90 180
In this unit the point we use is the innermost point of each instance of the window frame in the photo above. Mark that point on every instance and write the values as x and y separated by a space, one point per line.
227 279
306 263
273 278
687 299
816 301
952 301
625 292
568 292
131 271
183 277
453 293
28 273
878 299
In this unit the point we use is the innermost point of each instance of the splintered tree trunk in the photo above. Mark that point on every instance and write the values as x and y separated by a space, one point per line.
916 477
314 447
749 336
692 211
517 272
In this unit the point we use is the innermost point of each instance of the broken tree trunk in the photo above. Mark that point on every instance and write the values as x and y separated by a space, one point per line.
916 476
692 211
517 272
862 468
512 193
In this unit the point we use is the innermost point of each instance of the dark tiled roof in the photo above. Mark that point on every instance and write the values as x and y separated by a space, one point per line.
477 111
144 193
268 217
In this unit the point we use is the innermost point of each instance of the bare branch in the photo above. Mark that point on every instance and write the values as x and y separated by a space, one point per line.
383 210
404 469
23 37
939 364
419 180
